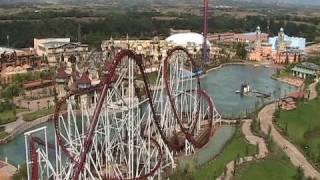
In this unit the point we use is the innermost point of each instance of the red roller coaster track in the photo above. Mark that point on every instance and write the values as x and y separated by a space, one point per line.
78 165
111 72
200 141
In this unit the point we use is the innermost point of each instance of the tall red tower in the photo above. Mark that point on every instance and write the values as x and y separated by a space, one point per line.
205 31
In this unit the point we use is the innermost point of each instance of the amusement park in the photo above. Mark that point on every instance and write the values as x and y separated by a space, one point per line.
152 90
129 131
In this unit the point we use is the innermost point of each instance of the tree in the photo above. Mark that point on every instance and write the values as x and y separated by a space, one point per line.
299 174
286 128
38 105
48 103
21 174
19 102
241 51
247 151
28 105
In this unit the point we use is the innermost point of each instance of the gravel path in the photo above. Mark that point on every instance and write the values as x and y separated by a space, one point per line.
296 157
313 90
252 139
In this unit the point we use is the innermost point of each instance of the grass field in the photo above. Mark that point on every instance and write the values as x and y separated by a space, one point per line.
276 166
270 169
37 114
7 117
237 147
302 126
3 134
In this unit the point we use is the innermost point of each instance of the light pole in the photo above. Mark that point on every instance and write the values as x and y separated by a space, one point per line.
8 41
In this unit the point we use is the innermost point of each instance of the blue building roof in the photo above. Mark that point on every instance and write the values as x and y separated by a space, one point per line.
293 42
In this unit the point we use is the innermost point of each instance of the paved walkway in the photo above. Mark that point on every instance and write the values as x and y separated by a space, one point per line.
296 157
255 140
313 90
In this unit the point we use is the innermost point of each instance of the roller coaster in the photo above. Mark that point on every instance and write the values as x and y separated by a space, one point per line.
132 130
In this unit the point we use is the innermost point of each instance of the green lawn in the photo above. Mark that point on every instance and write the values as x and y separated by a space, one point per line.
302 126
37 114
237 147
270 169
7 117
276 166
152 77
19 110
3 134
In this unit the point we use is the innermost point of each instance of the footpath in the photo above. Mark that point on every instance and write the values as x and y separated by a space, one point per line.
252 139
296 157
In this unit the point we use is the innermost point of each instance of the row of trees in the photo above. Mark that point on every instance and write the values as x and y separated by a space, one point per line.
137 25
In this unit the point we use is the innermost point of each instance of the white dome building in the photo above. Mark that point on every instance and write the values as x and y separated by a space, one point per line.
184 39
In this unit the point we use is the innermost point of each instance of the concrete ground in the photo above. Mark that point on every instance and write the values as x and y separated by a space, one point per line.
6 171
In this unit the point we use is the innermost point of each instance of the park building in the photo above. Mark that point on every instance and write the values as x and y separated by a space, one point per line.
221 37
286 49
56 50
281 49
259 49
250 37
306 70
193 42
153 50
230 37
18 61
72 79
313 50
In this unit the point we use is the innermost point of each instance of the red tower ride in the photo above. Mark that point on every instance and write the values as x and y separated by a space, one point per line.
205 31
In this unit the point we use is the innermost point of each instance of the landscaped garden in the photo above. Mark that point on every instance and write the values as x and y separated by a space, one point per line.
236 148
302 127
275 166
37 114
7 112
3 133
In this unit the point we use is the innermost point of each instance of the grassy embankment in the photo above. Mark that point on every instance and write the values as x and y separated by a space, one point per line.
302 127
37 114
276 166
3 134
235 148
9 116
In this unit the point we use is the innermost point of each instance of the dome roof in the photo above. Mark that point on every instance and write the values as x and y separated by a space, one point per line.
182 39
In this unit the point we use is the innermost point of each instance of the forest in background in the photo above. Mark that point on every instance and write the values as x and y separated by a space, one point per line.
94 27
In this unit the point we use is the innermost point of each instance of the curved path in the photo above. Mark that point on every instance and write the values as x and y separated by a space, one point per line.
252 139
313 90
296 157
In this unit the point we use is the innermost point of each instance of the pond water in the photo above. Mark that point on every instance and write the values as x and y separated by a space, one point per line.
220 84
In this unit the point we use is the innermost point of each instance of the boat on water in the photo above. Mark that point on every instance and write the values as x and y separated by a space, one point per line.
245 88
